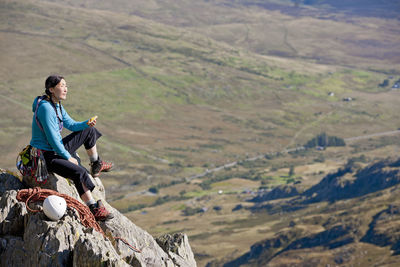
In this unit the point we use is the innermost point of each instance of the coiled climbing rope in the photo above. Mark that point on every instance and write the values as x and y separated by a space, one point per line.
85 215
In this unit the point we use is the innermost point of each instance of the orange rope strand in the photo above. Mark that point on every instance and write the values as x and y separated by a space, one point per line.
39 194
85 215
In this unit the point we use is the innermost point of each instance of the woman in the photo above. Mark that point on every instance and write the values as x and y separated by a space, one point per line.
48 120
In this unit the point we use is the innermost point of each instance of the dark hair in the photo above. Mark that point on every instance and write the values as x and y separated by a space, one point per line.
52 81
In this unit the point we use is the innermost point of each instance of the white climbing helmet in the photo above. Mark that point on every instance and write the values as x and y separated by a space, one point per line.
54 207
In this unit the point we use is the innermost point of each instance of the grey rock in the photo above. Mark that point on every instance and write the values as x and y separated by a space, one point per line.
12 214
66 186
151 253
31 239
50 243
91 249
9 182
178 248
56 183
12 251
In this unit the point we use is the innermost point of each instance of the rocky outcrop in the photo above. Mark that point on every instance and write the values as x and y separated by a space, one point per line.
261 252
353 191
331 238
30 239
283 191
349 182
176 245
384 230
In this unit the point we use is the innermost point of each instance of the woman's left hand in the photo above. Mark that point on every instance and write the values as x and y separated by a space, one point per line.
92 121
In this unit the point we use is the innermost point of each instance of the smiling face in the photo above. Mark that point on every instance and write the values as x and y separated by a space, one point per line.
59 92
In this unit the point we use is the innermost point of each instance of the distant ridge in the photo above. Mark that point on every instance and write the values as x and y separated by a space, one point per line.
351 192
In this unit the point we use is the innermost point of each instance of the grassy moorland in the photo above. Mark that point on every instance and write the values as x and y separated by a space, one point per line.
360 34
181 88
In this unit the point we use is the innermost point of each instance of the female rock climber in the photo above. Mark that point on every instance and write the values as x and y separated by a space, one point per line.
60 153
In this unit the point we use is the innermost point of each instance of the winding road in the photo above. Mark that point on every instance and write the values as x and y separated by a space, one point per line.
356 138
286 150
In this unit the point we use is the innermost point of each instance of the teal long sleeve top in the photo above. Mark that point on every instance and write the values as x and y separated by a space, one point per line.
50 138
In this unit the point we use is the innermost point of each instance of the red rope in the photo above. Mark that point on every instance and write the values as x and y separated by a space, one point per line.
126 243
85 215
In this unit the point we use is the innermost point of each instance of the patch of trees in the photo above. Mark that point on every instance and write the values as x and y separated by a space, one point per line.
237 207
189 211
206 184
155 188
324 140
261 163
133 208
385 83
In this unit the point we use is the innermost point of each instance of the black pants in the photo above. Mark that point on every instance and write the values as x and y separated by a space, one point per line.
67 169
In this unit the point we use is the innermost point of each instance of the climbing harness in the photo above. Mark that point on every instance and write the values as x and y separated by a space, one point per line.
86 217
30 162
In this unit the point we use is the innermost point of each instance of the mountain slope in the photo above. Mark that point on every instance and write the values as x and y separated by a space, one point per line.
328 32
174 103
155 75
355 225
380 8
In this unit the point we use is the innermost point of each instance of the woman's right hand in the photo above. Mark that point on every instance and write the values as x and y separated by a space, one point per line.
73 160
92 121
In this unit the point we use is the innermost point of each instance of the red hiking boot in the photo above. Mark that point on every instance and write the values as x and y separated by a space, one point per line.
100 166
100 212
